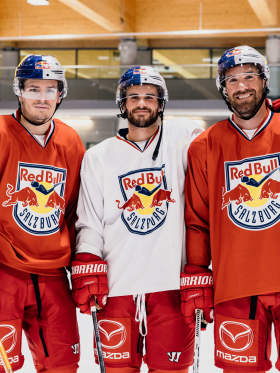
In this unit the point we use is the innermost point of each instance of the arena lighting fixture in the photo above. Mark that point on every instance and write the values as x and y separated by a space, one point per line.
38 2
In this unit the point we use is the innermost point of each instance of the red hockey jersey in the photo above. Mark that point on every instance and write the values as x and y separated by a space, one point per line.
233 207
38 196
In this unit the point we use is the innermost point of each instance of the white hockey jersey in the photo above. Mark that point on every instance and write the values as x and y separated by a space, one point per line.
131 209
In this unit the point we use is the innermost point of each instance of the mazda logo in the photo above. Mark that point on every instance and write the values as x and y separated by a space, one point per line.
236 336
112 334
9 339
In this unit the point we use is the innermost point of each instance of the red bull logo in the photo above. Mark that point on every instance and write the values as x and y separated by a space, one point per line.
146 199
56 202
25 195
42 65
139 70
37 200
233 52
134 203
270 189
238 194
252 195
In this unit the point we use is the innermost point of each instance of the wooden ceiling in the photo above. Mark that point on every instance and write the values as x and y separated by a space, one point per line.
83 23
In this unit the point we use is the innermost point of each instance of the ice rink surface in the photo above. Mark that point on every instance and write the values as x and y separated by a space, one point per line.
87 364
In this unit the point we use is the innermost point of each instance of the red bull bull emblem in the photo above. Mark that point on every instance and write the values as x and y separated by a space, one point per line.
37 200
233 52
42 65
252 195
146 199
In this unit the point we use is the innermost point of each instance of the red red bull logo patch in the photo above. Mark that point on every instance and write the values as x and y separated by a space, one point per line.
233 52
145 199
37 198
252 193
139 70
42 65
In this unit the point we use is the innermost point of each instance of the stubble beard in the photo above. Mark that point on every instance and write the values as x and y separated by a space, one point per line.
142 122
246 108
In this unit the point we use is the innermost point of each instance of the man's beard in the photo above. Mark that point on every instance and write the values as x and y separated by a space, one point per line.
247 107
140 121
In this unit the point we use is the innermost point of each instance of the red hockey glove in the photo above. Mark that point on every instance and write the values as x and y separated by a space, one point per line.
197 292
89 282
276 105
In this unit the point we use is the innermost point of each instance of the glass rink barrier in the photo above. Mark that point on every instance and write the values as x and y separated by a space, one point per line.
99 82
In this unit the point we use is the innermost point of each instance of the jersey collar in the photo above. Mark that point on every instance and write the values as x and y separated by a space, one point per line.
48 135
259 129
122 135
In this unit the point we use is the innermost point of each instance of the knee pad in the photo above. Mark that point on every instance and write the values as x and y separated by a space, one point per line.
240 344
10 335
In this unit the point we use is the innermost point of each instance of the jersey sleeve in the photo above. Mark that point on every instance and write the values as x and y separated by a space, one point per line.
90 207
194 131
197 206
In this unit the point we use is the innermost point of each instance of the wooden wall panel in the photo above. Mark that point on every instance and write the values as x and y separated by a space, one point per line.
173 15
17 18
21 19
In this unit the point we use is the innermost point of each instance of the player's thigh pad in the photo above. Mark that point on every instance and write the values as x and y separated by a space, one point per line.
242 343
13 292
10 336
169 341
119 333
53 337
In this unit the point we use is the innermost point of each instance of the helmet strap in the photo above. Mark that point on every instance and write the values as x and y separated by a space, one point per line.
123 114
156 151
162 109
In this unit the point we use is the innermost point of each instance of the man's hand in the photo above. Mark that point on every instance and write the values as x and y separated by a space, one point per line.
89 282
197 292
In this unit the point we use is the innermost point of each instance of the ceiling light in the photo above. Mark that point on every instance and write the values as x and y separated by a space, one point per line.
38 2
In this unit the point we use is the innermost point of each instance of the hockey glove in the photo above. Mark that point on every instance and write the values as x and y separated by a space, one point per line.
197 292
89 282
276 105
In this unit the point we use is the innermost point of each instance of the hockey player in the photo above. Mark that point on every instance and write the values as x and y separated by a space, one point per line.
233 212
39 172
131 219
